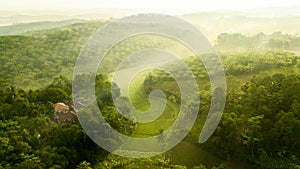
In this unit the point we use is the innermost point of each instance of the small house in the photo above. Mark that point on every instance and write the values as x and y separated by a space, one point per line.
63 114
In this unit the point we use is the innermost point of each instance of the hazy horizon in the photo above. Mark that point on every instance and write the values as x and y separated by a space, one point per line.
174 7
258 17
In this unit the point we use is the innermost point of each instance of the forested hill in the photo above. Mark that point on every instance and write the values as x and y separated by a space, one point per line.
259 127
22 28
260 41
32 60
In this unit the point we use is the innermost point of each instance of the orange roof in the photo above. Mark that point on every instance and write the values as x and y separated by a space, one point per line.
60 107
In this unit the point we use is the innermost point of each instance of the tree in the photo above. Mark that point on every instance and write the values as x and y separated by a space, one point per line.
84 165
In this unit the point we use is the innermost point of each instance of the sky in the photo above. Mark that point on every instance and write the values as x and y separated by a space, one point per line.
181 5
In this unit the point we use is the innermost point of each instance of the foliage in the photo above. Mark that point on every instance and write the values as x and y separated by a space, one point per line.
43 55
239 42
29 137
263 129
261 120
260 125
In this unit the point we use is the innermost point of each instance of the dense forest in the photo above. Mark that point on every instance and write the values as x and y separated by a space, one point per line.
260 127
260 41
21 28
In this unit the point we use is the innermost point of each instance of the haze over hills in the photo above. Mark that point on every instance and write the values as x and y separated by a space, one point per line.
26 16
40 52
211 23
26 27
214 24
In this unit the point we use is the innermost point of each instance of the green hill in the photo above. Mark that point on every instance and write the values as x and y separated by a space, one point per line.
32 60
259 128
22 28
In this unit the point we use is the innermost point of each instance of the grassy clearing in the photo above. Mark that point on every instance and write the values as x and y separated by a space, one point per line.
187 153
140 101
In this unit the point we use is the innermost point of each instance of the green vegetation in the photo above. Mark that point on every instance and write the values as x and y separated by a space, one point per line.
27 27
260 111
259 128
260 124
31 139
139 99
32 60
276 41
